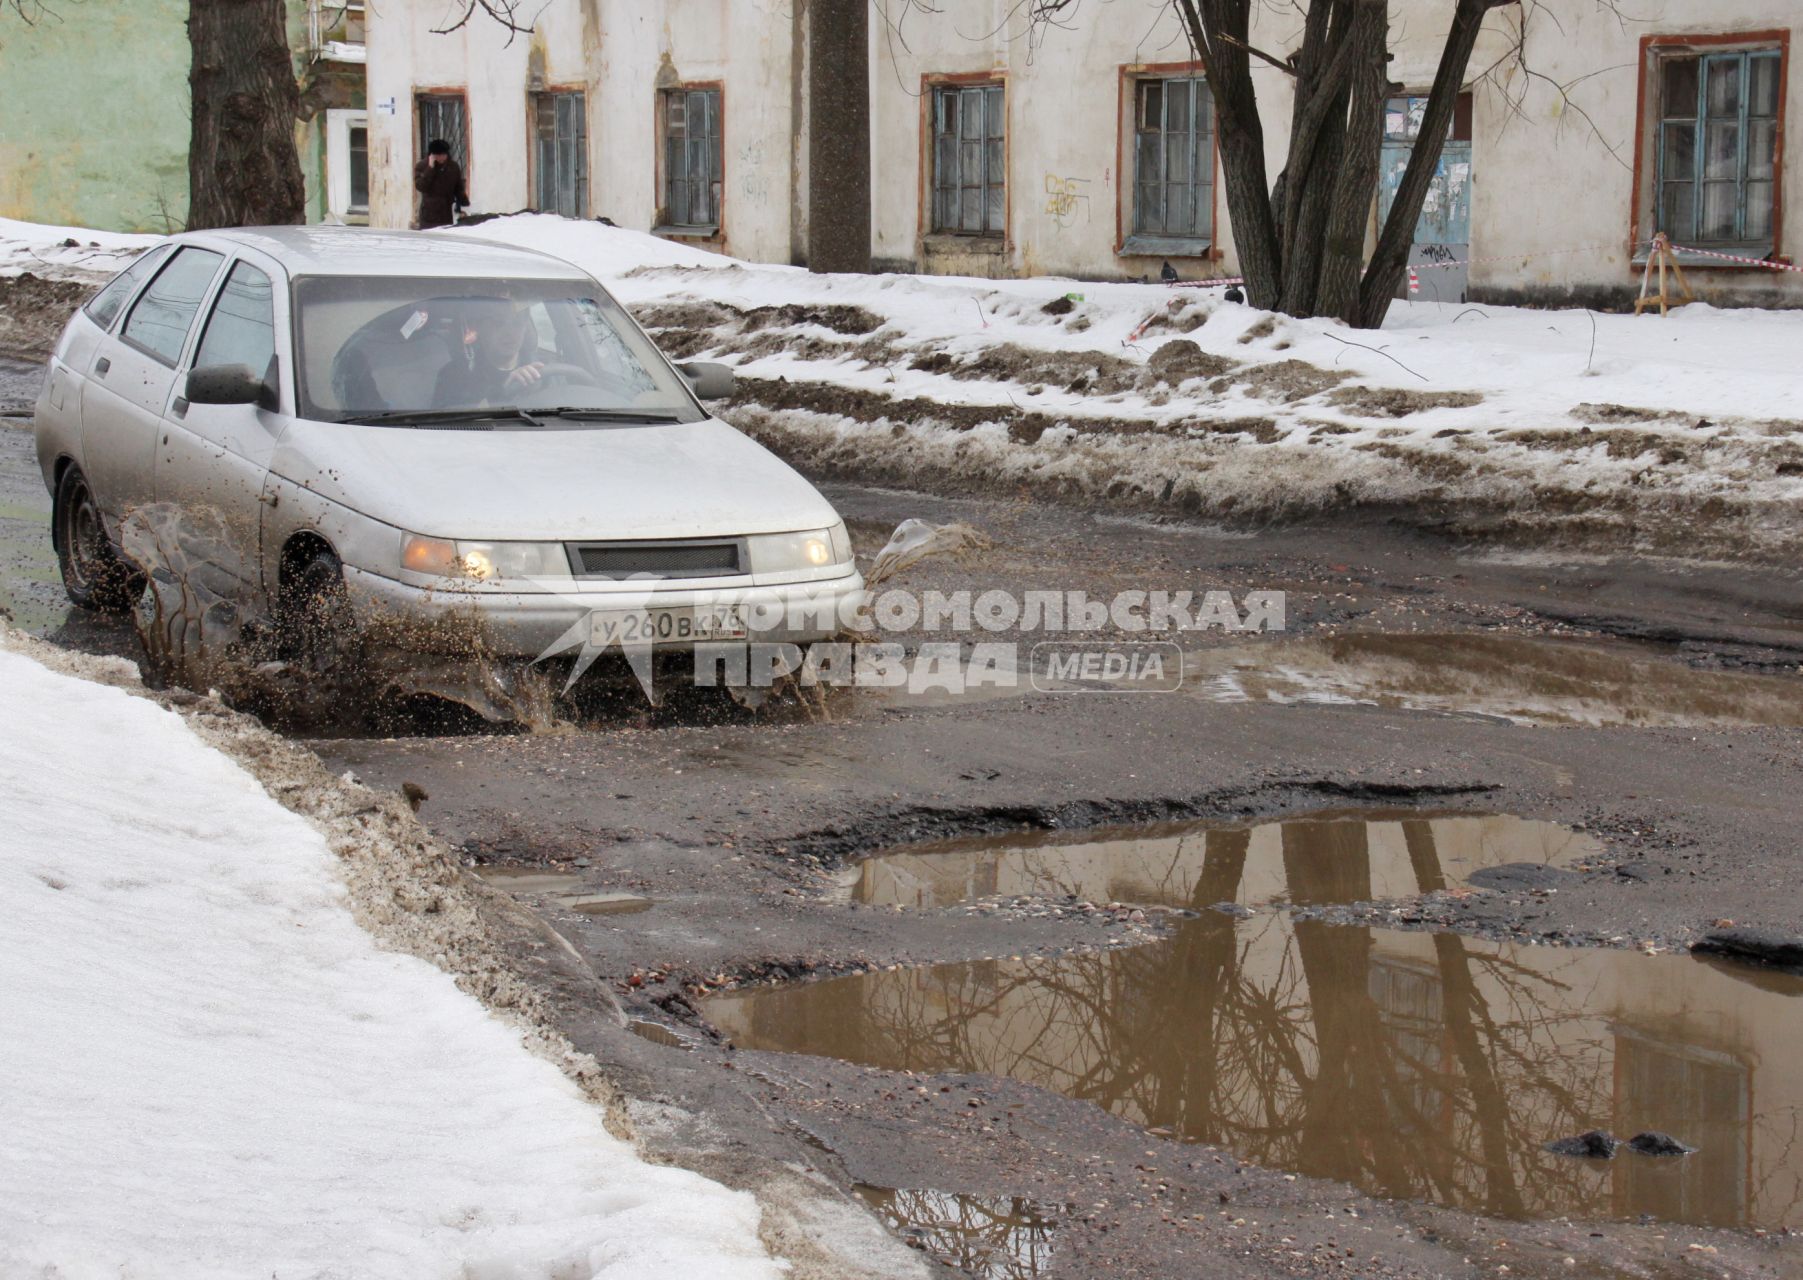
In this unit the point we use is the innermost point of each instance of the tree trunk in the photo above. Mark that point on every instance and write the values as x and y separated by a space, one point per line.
838 135
1242 141
1349 212
243 169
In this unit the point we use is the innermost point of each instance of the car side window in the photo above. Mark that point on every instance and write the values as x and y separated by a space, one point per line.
241 329
160 320
104 307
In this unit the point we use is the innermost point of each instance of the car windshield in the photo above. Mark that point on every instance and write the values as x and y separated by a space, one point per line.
390 348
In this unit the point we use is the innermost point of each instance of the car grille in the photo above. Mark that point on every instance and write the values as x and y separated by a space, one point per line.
661 559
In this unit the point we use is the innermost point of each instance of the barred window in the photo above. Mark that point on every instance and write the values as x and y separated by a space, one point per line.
560 154
970 165
692 158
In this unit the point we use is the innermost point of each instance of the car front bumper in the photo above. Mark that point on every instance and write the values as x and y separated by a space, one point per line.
540 624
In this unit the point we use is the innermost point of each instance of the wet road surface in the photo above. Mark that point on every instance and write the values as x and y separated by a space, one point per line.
1661 748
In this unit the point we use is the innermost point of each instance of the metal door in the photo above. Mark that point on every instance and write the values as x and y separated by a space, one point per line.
1443 233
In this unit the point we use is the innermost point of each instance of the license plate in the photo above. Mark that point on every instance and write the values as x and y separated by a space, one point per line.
668 626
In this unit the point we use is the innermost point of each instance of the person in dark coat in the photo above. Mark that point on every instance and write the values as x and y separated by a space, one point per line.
439 181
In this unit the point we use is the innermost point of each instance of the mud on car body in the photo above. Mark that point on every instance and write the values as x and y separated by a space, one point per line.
426 423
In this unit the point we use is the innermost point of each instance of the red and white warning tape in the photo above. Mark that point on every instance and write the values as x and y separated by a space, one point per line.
1731 257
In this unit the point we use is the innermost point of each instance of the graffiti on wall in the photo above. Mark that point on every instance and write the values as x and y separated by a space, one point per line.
1065 199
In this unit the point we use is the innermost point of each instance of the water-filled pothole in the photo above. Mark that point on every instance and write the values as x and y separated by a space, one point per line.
1412 1065
1525 679
1321 859
987 1237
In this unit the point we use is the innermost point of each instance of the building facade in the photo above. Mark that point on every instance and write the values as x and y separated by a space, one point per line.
1089 149
94 113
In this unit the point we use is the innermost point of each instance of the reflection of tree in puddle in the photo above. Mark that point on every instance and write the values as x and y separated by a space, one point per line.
1413 1065
990 1237
1361 856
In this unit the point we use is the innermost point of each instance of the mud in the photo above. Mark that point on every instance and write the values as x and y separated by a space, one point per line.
1393 402
34 310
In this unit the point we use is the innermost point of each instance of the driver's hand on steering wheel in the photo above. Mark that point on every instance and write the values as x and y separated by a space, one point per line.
526 375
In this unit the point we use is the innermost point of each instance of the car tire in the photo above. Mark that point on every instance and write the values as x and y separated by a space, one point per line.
94 575
313 616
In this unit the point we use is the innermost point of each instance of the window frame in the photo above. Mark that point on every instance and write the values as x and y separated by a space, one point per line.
148 258
1129 240
1655 51
221 283
203 307
536 101
716 229
340 121
932 87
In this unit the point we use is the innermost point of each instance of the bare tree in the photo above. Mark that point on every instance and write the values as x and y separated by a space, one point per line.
505 12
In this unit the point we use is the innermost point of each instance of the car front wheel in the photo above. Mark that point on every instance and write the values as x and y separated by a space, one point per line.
93 574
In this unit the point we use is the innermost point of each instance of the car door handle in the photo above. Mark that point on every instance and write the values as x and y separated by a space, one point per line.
101 366
179 408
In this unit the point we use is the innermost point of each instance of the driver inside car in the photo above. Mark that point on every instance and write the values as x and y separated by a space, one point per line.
498 361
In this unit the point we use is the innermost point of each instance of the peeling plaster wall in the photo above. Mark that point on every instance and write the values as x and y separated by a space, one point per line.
619 52
94 116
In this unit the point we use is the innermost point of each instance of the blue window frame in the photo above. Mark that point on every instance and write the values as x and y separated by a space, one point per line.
1718 134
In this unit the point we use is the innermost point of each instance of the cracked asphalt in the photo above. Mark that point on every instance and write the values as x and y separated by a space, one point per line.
733 825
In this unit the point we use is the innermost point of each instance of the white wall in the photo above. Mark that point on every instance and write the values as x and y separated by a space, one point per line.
618 52
1553 173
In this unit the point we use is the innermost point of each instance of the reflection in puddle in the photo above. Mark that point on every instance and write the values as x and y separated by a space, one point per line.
1409 1064
1528 680
1323 859
988 1237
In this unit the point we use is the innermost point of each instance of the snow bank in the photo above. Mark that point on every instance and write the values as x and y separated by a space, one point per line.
604 252
46 250
212 1071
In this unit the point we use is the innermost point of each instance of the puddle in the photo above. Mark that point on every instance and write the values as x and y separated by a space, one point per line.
530 879
1324 858
1522 679
1411 1065
605 904
986 1237
657 1033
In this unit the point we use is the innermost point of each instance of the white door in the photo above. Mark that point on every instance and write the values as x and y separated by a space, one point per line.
212 458
347 166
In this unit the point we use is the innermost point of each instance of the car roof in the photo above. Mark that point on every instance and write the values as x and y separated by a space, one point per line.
364 251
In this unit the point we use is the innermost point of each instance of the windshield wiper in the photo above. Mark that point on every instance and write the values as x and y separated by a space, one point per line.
610 415
424 417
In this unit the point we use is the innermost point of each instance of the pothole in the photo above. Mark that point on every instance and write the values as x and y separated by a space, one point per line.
985 1237
1411 1065
1322 859
1527 680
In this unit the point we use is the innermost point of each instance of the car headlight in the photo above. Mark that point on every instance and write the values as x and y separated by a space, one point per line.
484 561
799 552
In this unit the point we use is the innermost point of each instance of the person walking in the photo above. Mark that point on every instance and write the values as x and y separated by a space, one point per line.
439 181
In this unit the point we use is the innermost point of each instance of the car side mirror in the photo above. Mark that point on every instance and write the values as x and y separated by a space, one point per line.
226 384
709 381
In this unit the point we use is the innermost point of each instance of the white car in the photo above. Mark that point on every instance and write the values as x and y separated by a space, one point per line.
426 422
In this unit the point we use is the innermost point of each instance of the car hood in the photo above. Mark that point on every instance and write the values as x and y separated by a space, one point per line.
671 480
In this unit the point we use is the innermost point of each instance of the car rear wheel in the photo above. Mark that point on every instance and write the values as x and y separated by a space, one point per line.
93 574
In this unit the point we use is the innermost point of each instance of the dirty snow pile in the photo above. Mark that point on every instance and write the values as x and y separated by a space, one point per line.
1685 428
211 1070
66 252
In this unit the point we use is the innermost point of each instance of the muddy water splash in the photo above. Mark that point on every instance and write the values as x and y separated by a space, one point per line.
1325 858
1528 680
1411 1065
